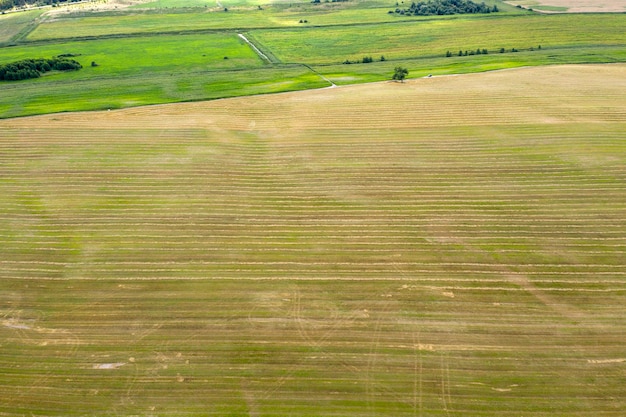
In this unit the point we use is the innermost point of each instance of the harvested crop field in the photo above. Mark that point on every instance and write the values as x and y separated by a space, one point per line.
448 246
574 6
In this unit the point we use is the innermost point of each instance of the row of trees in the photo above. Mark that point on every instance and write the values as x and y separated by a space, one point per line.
445 7
365 60
466 53
485 51
33 68
10 4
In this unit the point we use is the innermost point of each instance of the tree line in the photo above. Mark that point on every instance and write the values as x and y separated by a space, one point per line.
365 60
445 7
33 68
10 4
485 51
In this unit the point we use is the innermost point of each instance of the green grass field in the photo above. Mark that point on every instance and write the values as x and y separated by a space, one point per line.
434 37
450 246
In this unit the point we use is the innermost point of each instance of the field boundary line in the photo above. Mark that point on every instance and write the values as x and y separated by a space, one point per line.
255 48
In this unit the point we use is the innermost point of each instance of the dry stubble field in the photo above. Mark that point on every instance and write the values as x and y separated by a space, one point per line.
574 6
450 246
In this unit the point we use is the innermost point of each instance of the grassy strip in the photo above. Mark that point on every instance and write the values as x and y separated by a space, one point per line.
12 24
276 16
135 90
380 71
96 25
148 56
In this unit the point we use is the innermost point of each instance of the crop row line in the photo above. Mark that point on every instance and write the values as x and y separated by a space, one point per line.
417 143
417 282
318 263
322 224
239 267
286 155
203 169
264 239
398 193
180 143
277 205
287 215
233 231
398 249
335 276
285 185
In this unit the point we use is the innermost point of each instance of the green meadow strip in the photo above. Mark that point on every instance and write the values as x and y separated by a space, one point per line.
334 45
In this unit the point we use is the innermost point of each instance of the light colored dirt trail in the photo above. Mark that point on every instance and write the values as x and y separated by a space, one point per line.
254 48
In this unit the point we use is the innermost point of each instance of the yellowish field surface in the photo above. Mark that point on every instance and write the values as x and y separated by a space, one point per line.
576 6
447 246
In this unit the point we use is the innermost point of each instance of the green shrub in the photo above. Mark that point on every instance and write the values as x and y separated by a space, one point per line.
33 68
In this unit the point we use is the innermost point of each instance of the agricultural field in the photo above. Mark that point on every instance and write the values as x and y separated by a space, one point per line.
316 240
13 24
170 51
573 6
446 246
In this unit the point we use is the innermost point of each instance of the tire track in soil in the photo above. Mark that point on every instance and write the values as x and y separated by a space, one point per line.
296 314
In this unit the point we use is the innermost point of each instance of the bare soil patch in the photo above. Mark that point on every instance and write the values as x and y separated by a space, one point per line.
92 6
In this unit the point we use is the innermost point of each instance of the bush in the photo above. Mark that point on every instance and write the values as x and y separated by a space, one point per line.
33 68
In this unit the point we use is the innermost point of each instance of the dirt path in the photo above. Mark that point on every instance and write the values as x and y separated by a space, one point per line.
332 84
254 48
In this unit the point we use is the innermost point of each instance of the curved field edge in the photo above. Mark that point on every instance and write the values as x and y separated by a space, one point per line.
169 67
89 92
447 246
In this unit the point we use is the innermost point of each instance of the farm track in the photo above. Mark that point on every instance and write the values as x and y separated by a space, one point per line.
450 246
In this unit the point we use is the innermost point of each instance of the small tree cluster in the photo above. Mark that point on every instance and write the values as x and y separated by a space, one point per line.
484 51
33 68
365 60
532 48
478 51
400 73
445 7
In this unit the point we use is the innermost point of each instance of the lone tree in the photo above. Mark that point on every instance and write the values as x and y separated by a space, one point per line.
400 74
